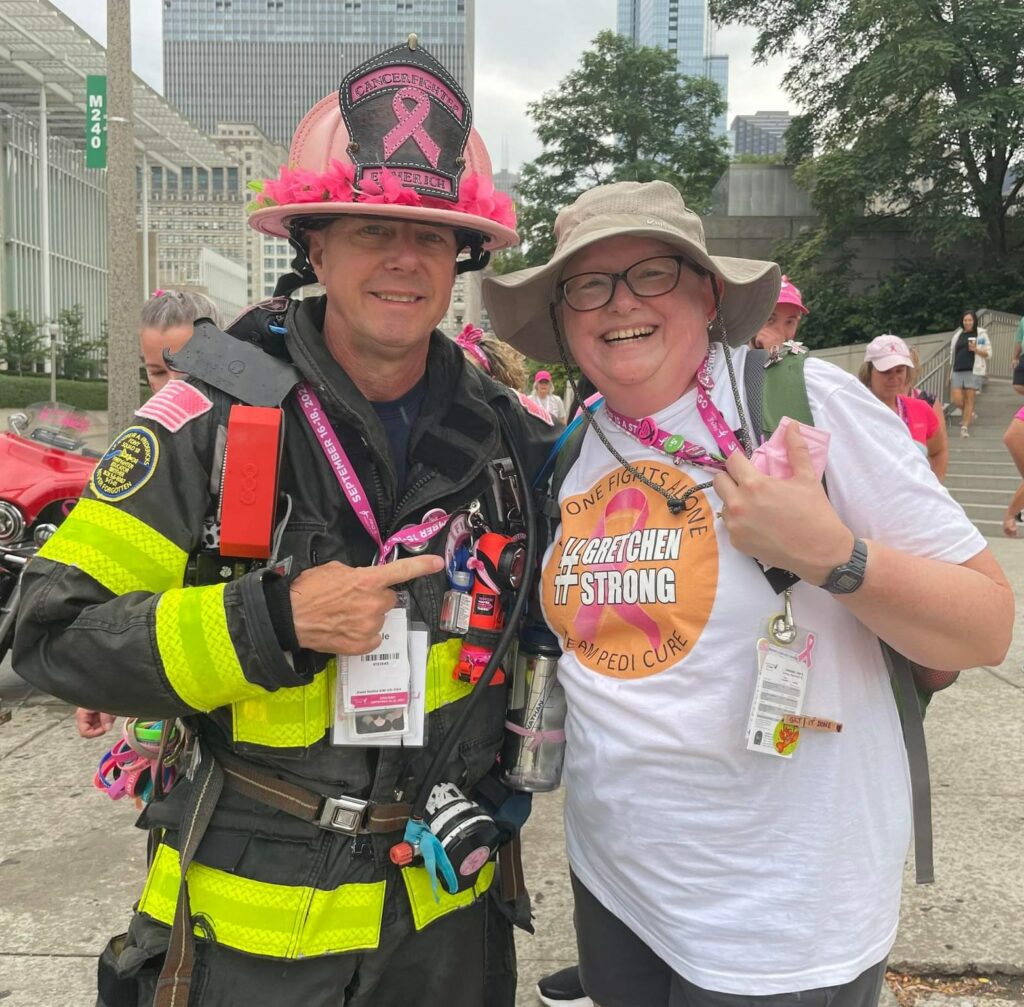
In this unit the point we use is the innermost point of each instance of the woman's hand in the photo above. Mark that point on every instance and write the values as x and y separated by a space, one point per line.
785 523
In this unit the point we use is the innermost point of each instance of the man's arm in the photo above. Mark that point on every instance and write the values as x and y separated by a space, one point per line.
105 622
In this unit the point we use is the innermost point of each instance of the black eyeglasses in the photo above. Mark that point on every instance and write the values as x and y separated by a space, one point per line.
646 278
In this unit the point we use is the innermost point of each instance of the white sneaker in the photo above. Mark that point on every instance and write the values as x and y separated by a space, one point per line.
964 432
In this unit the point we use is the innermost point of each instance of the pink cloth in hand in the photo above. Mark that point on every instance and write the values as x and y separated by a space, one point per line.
772 459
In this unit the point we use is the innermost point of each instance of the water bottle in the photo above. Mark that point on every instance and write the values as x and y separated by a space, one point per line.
535 729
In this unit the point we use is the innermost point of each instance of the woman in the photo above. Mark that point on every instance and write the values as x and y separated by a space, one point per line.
888 371
493 357
165 324
969 350
1014 441
706 864
544 395
783 322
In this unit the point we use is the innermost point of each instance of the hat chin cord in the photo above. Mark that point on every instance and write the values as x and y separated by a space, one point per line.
676 505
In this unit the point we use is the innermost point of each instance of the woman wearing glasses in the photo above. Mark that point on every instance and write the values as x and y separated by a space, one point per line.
718 852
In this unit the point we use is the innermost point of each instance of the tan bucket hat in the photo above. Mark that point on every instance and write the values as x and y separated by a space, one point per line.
519 303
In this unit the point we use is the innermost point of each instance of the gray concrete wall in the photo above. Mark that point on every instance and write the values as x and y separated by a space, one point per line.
762 190
878 248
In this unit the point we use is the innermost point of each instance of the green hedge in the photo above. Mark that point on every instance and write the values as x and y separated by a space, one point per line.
18 392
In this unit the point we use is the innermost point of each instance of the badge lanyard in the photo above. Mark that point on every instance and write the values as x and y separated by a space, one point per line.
647 431
413 536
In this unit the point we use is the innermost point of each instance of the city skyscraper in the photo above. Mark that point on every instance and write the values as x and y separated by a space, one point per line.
684 28
761 133
268 61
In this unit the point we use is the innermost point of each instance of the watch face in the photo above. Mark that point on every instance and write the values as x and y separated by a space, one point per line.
846 582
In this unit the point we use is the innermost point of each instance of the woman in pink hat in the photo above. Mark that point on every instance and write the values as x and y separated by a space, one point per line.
544 395
887 370
784 320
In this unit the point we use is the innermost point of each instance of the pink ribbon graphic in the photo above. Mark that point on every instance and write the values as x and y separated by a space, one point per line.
805 654
589 618
410 124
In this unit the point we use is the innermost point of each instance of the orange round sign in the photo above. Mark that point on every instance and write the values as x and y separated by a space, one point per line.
629 585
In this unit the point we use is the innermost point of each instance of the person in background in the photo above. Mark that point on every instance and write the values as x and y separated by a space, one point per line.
543 394
165 324
922 393
887 370
1014 441
784 320
969 351
504 364
493 357
1018 364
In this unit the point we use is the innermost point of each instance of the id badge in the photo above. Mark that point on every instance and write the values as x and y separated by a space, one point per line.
379 680
404 726
778 695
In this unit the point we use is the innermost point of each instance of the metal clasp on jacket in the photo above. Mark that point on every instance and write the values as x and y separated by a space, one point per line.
343 814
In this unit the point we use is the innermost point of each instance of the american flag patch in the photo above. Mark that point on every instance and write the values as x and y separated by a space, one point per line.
175 404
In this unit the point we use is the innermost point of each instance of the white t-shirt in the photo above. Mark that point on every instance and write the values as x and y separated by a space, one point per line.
552 403
746 873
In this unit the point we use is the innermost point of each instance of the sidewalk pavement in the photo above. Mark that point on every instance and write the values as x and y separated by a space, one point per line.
71 864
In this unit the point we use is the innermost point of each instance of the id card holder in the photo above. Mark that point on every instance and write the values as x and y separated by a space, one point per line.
404 726
783 665
379 680
782 674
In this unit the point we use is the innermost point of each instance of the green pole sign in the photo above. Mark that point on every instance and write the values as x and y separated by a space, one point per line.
96 121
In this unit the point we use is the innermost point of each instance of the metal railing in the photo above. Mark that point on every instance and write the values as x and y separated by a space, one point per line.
933 374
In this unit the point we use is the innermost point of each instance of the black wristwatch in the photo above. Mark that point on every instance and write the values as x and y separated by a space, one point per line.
848 576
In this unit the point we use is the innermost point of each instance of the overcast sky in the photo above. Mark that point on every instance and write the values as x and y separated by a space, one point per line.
523 48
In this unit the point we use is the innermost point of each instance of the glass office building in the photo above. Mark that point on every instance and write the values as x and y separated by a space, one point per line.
268 61
684 28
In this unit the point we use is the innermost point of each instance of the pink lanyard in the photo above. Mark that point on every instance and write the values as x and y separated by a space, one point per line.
646 431
411 536
901 410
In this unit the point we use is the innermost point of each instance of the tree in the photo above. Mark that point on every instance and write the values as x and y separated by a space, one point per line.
76 351
622 114
20 343
913 108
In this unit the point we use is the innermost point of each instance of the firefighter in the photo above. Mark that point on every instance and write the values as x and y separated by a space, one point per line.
386 439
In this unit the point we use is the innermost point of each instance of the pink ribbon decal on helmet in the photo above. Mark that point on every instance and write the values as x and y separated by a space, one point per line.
410 124
589 617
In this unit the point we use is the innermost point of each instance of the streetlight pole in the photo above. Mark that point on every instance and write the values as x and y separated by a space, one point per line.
122 268
49 329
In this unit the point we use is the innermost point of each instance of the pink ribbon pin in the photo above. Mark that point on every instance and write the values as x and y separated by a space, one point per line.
410 124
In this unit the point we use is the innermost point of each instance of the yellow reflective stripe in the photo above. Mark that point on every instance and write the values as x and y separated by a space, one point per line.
260 918
300 717
442 688
288 718
116 549
421 896
195 646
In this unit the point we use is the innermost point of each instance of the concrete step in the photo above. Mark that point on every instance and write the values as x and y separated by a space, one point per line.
974 495
1005 481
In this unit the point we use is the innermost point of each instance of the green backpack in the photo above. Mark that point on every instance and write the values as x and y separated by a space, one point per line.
771 392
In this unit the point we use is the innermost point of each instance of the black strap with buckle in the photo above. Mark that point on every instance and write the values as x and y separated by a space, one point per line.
348 815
